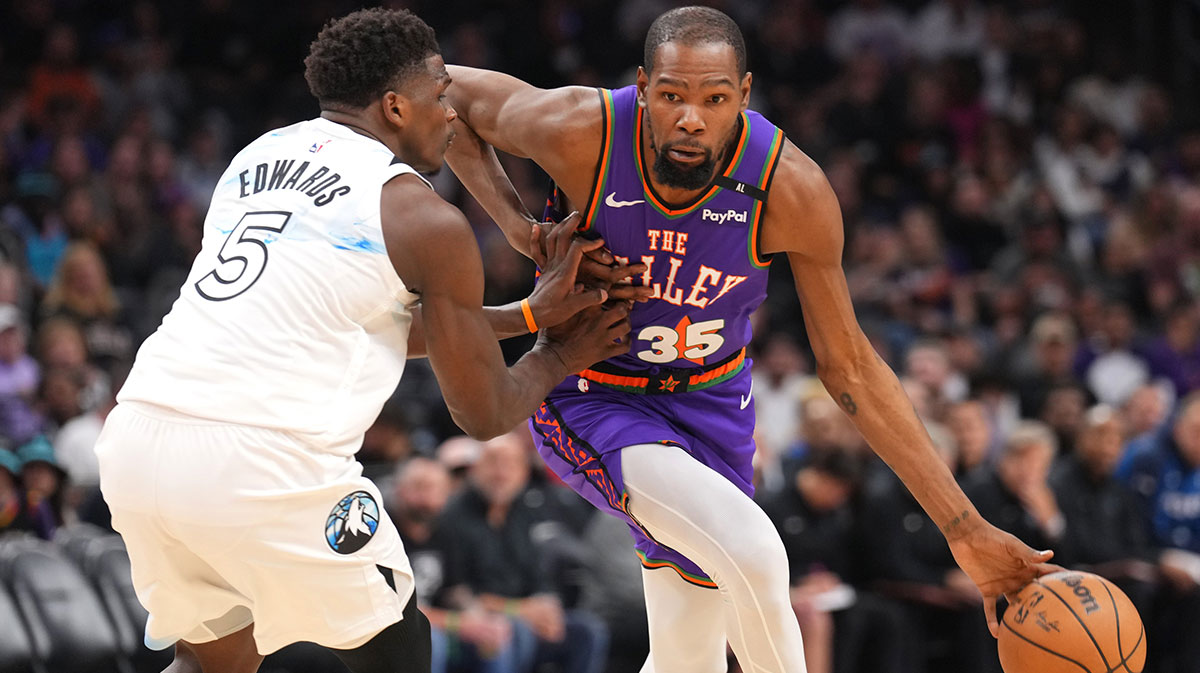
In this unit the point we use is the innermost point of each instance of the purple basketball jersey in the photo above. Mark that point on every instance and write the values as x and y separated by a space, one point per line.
703 257
688 341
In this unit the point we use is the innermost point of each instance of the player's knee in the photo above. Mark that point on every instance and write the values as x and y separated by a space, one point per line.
759 557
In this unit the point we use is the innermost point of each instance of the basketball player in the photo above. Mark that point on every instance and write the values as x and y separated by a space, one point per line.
676 173
229 460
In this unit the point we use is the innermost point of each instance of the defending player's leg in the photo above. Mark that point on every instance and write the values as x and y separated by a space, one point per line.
700 514
403 647
687 625
234 653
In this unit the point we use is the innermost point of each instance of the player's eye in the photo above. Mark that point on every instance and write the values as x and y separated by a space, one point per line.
716 99
670 96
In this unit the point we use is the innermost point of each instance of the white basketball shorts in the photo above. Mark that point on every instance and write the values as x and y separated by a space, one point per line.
229 525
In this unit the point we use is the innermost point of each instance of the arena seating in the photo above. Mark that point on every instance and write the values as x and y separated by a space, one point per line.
69 629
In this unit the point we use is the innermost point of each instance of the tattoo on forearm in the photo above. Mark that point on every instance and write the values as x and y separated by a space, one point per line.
956 522
849 404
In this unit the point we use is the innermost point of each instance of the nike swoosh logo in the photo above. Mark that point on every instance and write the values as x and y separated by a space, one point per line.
612 202
746 397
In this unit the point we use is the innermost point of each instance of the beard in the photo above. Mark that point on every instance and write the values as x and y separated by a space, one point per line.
679 176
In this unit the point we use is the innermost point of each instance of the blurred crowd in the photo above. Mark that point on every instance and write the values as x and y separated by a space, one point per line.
1021 204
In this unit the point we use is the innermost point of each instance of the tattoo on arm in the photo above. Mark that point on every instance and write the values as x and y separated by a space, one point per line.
849 404
956 522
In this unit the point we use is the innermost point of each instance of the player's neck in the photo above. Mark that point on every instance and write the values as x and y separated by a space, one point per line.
360 124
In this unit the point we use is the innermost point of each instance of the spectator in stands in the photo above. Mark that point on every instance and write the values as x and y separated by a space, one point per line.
18 512
868 25
20 376
780 378
1015 495
1052 344
929 363
1175 355
1063 411
611 588
1105 531
1145 410
906 559
70 384
1163 469
1107 359
44 480
81 292
466 637
492 534
974 439
61 77
815 520
457 454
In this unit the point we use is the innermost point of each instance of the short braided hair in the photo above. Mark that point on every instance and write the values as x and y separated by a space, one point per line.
357 58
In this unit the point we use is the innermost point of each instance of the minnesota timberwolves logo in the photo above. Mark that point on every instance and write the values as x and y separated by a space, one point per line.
352 522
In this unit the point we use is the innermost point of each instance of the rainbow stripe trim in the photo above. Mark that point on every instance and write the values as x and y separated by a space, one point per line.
690 578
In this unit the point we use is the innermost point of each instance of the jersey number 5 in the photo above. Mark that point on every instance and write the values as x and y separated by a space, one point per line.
243 256
700 339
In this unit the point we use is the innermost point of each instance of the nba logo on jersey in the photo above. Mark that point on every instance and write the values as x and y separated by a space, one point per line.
352 522
316 147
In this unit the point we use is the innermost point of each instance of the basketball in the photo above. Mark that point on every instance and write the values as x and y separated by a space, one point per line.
1072 622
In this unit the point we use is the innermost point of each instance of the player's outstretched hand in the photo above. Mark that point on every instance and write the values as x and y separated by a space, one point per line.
594 334
597 268
558 295
998 563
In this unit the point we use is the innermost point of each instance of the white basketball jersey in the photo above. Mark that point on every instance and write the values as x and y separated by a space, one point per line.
292 316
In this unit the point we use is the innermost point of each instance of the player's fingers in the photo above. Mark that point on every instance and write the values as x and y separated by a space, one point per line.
600 255
588 246
564 232
989 612
630 292
585 298
537 250
1040 569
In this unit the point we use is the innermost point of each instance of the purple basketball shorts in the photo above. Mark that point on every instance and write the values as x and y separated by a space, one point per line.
582 426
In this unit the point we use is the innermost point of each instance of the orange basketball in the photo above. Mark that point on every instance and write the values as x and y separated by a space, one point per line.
1072 622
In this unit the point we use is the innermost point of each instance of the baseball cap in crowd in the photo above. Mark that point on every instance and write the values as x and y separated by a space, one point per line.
39 450
10 316
9 461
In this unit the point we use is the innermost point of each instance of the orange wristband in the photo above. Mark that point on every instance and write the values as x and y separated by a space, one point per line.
528 313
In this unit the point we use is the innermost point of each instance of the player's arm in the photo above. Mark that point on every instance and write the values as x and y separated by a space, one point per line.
506 321
560 129
434 252
804 221
555 298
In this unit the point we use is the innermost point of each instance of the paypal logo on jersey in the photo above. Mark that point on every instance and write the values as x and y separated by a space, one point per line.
352 522
730 215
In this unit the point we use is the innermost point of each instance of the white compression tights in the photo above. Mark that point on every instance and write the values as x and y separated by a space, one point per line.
700 514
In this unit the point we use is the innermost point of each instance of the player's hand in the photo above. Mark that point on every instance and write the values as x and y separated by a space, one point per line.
594 334
998 563
597 270
557 295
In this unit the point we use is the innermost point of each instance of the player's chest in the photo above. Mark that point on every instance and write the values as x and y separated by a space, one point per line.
692 261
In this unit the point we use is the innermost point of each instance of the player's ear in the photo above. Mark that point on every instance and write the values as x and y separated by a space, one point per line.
643 81
746 79
395 108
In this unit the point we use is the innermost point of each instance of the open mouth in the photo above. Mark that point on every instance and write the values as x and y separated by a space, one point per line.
685 155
